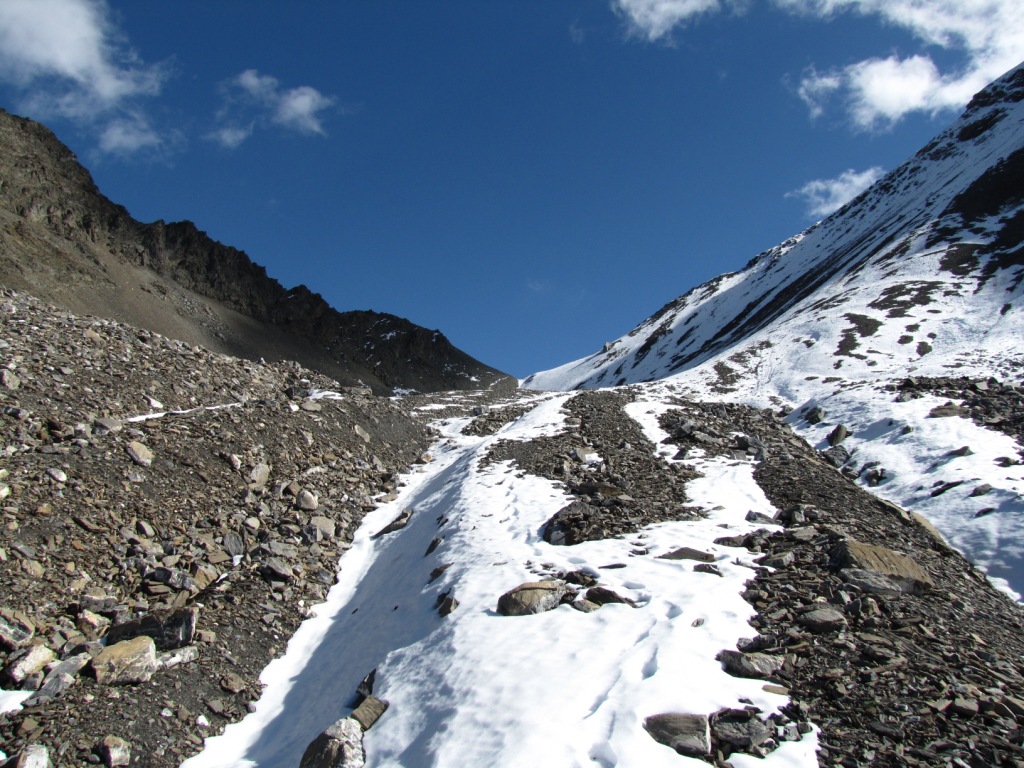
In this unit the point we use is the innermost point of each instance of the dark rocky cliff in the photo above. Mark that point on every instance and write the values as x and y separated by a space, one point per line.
62 240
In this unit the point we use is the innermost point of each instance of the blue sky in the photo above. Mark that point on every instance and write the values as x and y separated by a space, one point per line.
532 178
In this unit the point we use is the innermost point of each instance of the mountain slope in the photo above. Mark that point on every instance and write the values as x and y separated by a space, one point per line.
196 517
919 276
63 241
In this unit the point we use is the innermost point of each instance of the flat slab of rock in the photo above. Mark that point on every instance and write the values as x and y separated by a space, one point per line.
139 453
531 597
395 525
32 660
901 569
126 663
688 553
870 582
687 734
14 633
340 746
369 712
755 665
823 620
740 729
168 630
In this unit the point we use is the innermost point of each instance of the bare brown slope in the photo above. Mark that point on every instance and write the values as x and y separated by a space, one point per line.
63 241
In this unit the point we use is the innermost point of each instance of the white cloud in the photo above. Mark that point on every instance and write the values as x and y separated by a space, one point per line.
300 108
69 61
252 99
577 33
232 136
655 19
824 196
988 35
127 136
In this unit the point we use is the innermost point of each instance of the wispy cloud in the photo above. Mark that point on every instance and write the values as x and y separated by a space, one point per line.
69 60
878 91
655 19
129 135
577 33
824 196
252 99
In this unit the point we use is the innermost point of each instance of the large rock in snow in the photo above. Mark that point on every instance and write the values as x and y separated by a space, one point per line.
531 597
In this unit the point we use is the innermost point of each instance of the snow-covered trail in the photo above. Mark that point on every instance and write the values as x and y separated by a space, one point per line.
477 688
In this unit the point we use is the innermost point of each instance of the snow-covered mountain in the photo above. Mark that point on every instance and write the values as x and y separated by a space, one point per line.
919 276
634 576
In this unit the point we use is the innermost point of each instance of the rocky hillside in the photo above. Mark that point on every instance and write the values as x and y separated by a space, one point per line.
63 241
924 266
624 577
158 487
906 300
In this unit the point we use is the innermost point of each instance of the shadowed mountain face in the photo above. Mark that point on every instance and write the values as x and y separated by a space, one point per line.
63 241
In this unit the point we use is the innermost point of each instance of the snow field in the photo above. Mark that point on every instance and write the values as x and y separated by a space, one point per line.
477 688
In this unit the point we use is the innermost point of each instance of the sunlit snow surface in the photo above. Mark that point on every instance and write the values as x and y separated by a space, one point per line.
563 688
841 313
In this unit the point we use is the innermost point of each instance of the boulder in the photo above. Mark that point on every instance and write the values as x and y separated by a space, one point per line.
604 596
897 567
837 455
14 633
126 663
307 500
755 665
822 620
837 435
531 597
34 756
139 453
169 631
28 662
574 523
114 751
340 746
739 728
687 734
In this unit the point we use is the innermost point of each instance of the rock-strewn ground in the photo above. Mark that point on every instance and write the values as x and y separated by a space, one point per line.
926 679
988 402
233 512
213 529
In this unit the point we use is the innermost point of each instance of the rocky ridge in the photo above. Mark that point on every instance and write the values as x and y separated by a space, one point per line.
156 489
63 241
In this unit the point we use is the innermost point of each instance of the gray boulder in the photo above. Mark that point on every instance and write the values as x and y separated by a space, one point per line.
755 665
531 597
686 734
126 663
340 746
